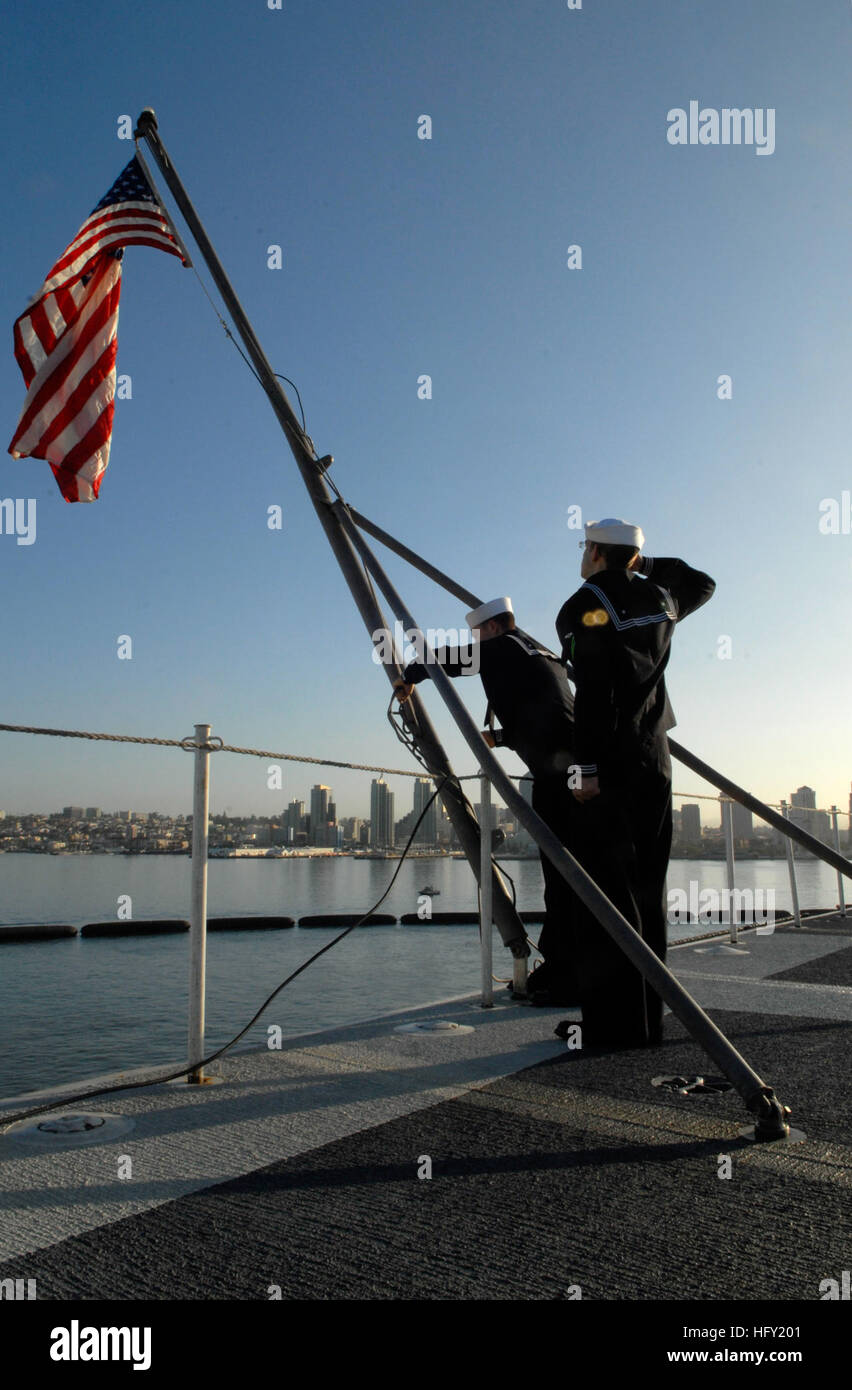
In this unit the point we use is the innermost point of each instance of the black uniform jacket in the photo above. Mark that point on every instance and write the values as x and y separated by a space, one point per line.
526 687
616 631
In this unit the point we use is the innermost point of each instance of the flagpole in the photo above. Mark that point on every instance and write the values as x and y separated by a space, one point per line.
163 209
417 721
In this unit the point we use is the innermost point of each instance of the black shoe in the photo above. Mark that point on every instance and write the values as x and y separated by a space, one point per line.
548 989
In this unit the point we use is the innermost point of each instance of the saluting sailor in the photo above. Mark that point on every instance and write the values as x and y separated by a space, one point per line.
616 632
528 691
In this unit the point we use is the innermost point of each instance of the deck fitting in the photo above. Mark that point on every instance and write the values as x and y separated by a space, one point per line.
772 1122
70 1129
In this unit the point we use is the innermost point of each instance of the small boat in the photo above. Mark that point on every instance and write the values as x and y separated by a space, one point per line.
430 891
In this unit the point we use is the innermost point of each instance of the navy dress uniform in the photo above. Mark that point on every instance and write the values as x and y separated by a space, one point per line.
528 690
616 631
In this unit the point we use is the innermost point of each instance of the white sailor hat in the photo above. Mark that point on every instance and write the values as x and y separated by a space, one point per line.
480 615
613 531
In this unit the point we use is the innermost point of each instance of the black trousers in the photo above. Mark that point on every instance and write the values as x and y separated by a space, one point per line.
623 840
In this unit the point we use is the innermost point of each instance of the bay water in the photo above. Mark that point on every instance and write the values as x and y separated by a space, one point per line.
78 1007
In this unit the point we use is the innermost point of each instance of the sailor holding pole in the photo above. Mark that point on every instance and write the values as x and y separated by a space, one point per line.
528 690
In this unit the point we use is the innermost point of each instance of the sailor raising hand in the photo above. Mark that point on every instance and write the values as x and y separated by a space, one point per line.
616 632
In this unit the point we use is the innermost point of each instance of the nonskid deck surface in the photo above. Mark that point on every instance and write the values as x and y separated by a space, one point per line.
552 1170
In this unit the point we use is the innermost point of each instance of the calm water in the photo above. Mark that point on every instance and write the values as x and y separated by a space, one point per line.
74 1008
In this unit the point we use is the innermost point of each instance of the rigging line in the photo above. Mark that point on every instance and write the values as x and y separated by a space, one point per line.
214 746
225 325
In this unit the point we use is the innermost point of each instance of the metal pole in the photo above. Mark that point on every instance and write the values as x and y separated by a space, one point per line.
198 932
728 823
312 469
789 830
690 760
759 1097
469 599
791 868
485 900
756 1094
840 889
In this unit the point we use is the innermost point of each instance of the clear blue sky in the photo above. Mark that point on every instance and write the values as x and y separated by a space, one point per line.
551 387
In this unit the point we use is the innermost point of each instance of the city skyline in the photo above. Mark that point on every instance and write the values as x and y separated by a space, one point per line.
802 807
508 307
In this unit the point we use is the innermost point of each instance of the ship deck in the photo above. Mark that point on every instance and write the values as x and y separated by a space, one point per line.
555 1174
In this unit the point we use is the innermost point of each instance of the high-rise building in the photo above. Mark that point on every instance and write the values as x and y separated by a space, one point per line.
690 824
320 797
803 811
73 812
93 813
292 821
428 831
381 814
492 814
743 823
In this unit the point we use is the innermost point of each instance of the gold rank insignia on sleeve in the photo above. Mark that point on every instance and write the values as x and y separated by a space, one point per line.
598 617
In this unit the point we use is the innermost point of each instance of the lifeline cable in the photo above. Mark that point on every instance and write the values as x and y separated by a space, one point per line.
63 1101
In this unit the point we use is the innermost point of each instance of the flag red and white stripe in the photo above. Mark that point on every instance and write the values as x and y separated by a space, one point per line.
65 341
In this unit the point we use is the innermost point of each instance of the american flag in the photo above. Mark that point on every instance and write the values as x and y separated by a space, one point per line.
65 341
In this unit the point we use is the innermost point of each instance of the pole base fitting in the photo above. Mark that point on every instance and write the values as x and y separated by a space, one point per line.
772 1122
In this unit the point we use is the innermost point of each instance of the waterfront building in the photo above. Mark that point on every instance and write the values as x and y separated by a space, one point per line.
320 818
690 824
292 821
743 822
428 831
381 814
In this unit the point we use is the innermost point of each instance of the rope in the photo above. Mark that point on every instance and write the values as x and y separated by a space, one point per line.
776 805
215 745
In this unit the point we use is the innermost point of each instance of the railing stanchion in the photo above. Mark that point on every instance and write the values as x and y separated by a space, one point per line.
791 866
485 899
840 890
198 934
728 824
